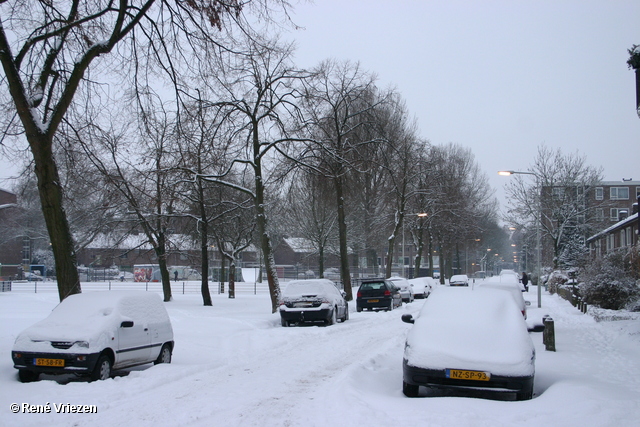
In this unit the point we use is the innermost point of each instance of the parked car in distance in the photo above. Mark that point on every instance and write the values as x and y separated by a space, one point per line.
378 294
459 280
406 291
510 286
510 276
470 340
94 333
422 286
313 300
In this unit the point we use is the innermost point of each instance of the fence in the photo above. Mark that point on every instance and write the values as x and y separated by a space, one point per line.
185 287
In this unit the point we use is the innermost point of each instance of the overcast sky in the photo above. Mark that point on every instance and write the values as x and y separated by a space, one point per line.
498 77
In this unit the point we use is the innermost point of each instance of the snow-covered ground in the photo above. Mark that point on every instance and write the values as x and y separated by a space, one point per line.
234 365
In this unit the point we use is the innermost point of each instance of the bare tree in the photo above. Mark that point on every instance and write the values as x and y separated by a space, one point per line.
557 200
55 45
338 102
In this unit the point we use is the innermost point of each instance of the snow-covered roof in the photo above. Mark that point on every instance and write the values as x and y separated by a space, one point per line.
615 226
140 241
300 244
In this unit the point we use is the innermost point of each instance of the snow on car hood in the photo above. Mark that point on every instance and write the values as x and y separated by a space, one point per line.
459 328
315 287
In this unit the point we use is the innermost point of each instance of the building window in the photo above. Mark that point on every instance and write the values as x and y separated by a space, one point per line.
599 214
637 192
599 193
619 193
615 213
557 193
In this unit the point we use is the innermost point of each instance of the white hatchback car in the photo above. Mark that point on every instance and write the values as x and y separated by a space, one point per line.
94 332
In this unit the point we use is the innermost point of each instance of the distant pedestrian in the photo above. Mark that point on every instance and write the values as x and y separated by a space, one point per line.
175 275
525 281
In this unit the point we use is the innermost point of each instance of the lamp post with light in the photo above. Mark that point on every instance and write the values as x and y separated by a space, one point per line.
538 225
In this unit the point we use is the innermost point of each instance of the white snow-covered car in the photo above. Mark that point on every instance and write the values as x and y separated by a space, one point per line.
469 339
422 286
93 333
510 286
459 280
313 300
406 290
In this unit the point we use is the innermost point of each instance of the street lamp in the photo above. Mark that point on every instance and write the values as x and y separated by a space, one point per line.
539 221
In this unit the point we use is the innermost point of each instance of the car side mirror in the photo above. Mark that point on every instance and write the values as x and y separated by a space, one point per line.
527 303
343 293
536 328
408 318
127 324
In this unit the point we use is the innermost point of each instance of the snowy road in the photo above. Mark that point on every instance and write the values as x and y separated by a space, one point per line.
235 366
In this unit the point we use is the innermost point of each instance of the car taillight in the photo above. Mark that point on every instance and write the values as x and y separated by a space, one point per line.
387 293
359 295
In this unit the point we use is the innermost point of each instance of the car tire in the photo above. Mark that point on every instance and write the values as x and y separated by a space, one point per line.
284 323
27 376
102 371
410 390
391 307
164 356
334 316
358 309
346 313
525 395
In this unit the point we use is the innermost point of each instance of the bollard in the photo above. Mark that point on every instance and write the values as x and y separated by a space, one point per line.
584 308
548 335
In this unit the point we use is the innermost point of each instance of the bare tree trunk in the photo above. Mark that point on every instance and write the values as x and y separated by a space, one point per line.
345 274
55 217
232 278
204 251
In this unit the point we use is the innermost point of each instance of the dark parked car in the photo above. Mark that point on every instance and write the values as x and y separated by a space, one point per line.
378 294
313 300
471 340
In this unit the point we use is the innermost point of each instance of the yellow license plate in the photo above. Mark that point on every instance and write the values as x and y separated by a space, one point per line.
458 374
50 362
373 300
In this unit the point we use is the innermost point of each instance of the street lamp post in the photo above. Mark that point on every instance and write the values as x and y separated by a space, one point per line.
538 225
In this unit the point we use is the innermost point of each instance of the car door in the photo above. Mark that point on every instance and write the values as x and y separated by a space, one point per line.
134 343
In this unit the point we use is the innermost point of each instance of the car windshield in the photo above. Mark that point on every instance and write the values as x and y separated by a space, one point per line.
308 288
372 286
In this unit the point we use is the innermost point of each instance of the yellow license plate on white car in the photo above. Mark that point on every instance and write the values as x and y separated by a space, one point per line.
50 362
459 374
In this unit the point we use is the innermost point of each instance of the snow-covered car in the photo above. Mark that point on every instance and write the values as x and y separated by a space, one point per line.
459 280
378 294
406 290
510 286
422 286
313 300
510 276
94 333
469 339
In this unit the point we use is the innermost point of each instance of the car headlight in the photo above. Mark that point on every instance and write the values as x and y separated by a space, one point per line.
84 344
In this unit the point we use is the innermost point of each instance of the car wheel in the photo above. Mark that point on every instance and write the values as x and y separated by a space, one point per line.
525 395
333 319
102 371
27 376
410 390
284 323
358 309
346 313
165 355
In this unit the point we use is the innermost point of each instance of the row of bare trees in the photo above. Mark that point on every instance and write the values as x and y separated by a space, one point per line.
198 121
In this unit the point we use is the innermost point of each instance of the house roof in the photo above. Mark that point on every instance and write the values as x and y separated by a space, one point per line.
620 224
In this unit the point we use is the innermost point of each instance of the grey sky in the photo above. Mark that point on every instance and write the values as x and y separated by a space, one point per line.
499 77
